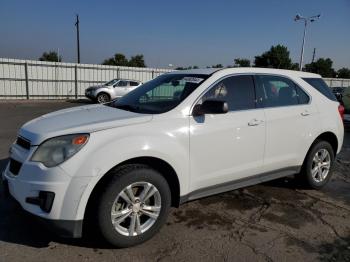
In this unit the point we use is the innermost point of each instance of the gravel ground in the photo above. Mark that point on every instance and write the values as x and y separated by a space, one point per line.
275 221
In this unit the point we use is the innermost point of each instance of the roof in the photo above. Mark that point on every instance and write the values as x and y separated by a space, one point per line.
253 70
201 71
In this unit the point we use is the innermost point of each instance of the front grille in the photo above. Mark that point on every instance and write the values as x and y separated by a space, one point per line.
23 143
15 166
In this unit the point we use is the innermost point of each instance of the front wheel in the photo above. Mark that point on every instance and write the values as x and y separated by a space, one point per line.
103 98
318 165
134 206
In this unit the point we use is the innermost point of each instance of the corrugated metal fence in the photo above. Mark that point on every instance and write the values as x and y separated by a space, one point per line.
26 79
337 82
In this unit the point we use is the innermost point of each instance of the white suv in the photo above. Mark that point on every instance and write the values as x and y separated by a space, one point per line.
182 136
113 89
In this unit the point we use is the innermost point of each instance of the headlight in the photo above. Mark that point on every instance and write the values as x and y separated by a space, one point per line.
55 151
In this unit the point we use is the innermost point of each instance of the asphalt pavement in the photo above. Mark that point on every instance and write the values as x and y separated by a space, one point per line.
275 221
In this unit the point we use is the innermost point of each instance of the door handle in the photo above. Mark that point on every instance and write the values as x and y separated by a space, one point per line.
305 113
255 122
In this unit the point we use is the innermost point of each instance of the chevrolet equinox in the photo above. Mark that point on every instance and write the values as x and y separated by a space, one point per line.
182 136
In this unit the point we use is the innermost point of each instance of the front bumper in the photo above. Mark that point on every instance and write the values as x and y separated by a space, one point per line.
62 228
49 193
90 95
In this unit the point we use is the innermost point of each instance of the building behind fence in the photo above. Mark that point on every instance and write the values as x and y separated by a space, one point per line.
29 79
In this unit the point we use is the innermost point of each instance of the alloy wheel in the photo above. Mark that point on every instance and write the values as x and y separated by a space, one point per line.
136 209
102 98
321 165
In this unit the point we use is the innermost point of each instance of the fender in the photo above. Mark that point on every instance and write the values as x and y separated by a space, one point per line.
127 143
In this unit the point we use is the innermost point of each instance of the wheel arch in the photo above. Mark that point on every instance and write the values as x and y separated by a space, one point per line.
329 137
163 167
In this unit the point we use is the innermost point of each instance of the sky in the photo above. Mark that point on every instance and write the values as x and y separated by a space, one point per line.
181 33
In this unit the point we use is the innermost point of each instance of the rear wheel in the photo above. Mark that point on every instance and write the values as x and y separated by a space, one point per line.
103 98
318 165
134 206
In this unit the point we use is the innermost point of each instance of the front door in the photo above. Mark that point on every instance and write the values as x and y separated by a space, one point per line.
227 147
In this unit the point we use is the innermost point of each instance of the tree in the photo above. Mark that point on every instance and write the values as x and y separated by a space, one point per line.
121 60
50 56
186 68
323 67
241 62
343 73
217 66
276 57
117 60
137 61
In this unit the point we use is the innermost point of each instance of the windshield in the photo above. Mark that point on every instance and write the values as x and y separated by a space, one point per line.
160 94
112 82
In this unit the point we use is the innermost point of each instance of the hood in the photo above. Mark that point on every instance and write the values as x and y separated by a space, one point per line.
82 119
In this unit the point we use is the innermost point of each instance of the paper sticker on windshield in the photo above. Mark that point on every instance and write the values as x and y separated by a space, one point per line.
191 79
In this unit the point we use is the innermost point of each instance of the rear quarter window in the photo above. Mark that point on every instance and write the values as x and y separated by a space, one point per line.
321 86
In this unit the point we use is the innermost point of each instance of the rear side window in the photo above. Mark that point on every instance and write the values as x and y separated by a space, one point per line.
237 91
321 86
132 83
302 96
275 91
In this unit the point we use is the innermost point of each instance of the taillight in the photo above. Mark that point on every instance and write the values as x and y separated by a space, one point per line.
341 110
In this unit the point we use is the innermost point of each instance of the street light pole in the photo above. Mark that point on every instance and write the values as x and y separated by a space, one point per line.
306 20
302 48
78 43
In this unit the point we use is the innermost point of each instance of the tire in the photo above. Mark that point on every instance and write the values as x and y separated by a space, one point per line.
103 98
308 175
113 205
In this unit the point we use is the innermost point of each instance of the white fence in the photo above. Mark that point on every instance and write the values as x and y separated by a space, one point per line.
337 82
25 79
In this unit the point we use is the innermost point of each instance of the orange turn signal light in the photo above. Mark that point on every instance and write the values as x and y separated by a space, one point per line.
80 140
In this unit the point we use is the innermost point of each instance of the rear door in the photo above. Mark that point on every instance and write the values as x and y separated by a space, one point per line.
291 119
227 147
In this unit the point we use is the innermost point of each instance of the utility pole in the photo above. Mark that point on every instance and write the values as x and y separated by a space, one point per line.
313 55
306 20
78 44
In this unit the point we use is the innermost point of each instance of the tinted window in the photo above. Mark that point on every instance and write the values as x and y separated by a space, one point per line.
122 83
303 98
276 91
237 91
321 86
132 83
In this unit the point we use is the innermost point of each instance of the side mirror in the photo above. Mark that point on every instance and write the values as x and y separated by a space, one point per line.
210 107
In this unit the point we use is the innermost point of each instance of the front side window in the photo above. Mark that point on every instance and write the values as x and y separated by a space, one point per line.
160 94
112 82
122 83
237 91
